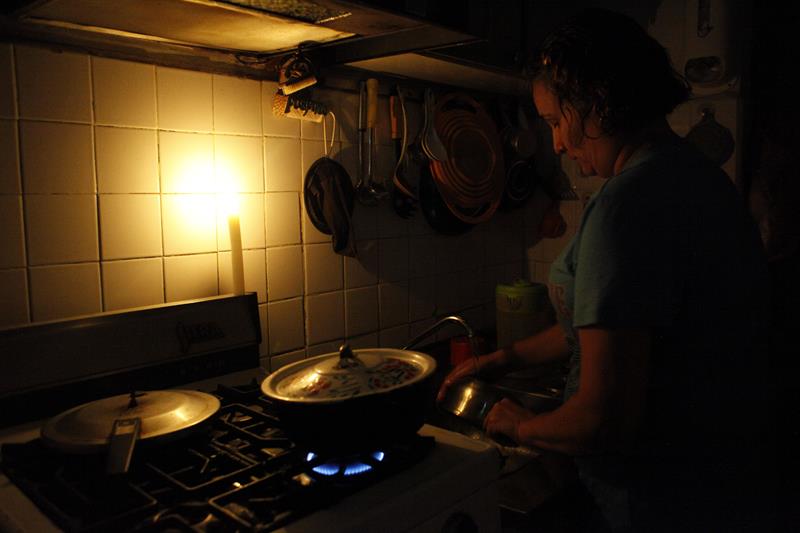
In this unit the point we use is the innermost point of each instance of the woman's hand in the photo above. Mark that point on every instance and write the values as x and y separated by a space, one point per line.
466 368
505 418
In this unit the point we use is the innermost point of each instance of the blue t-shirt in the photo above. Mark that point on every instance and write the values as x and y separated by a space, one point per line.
668 245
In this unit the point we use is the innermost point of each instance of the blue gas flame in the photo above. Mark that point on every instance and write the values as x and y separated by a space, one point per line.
354 469
328 469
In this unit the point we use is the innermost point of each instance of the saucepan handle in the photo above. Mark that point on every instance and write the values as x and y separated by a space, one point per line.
123 439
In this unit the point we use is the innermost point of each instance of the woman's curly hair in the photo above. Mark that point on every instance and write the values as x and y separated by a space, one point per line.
605 61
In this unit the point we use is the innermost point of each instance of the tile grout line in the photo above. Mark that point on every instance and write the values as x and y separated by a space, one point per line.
160 187
21 183
216 196
96 183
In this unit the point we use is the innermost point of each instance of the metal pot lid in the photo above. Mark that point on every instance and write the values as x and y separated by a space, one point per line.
87 427
348 374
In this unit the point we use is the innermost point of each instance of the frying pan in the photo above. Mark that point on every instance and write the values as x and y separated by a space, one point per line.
329 198
712 138
473 175
434 208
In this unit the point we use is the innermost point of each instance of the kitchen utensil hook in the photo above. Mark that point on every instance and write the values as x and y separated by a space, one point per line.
328 149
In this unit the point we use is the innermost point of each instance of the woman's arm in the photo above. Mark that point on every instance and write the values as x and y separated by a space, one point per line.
606 411
544 347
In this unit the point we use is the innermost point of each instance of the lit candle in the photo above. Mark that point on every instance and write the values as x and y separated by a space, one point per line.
237 260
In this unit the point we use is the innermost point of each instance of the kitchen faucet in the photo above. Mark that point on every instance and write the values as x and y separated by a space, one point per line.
440 324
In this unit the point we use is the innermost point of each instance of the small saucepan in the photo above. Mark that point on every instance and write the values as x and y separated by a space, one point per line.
115 425
351 399
471 399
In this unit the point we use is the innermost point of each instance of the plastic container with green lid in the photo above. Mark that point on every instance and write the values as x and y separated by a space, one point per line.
523 309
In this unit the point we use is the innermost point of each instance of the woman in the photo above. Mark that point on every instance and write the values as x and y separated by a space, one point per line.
660 298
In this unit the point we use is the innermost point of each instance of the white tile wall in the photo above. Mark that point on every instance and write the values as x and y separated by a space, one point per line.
187 162
393 260
237 106
9 158
12 248
447 293
324 348
238 163
263 348
124 93
284 272
393 302
365 222
8 101
390 225
364 341
395 337
133 283
282 211
255 273
130 225
421 298
53 85
123 173
362 270
323 268
190 276
251 221
421 256
56 157
65 290
13 297
62 228
361 311
127 160
286 331
311 152
184 100
283 164
324 317
288 358
309 232
190 223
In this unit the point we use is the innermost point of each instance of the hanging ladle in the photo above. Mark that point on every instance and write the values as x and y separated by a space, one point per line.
366 194
378 189
431 143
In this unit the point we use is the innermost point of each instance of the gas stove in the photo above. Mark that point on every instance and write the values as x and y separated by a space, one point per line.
241 472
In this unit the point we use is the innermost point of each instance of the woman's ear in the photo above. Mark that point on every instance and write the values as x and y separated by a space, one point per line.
593 124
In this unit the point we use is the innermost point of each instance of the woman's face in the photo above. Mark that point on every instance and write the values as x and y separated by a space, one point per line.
582 141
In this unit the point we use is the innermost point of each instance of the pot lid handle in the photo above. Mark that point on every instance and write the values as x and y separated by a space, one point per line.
347 359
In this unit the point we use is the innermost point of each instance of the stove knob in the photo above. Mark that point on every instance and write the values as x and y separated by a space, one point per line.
460 523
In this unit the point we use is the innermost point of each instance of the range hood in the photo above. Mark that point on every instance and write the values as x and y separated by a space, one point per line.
252 37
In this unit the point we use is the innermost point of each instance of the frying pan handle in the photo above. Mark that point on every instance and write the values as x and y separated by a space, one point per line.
372 102
362 106
122 440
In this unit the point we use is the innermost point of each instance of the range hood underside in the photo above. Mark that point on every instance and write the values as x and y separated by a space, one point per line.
227 38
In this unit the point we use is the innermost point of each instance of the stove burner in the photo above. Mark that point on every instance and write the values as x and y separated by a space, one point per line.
243 473
200 466
346 466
